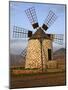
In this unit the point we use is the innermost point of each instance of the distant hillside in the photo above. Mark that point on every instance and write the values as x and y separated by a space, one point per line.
17 60
59 54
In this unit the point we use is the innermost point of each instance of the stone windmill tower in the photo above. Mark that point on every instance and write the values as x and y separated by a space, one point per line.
40 48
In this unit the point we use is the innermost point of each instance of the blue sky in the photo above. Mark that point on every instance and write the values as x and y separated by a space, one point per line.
19 18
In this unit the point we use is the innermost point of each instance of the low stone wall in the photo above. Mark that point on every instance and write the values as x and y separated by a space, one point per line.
55 64
61 67
52 64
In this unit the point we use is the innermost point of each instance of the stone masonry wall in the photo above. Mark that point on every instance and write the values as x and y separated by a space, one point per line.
46 44
33 57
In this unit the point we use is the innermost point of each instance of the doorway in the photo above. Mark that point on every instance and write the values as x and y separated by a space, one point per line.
49 54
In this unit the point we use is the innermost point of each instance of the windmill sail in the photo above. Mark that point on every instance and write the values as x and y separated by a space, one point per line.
23 53
49 20
19 32
58 38
31 14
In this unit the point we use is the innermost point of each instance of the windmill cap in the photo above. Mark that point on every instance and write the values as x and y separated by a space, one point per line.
40 34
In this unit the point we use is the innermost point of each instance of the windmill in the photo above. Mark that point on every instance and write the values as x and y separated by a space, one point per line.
40 48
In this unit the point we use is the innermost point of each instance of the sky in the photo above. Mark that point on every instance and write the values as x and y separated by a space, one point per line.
19 18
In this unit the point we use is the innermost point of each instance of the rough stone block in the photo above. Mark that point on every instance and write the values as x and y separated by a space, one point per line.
52 64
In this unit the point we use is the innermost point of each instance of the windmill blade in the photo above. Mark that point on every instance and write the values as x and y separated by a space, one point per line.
50 19
58 38
31 14
23 53
19 32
